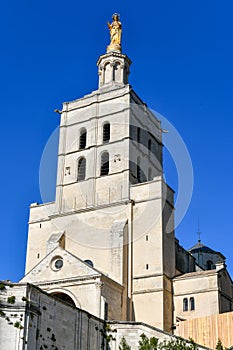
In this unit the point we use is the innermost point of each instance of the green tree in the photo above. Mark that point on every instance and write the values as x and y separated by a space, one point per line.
148 344
124 345
219 345
174 344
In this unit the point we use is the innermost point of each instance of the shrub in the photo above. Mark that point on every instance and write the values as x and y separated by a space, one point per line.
11 300
124 345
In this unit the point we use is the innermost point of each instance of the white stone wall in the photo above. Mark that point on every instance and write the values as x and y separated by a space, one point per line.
48 323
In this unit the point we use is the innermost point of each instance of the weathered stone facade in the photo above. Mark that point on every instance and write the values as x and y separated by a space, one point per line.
37 320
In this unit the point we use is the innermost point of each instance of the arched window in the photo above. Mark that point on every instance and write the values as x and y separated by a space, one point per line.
104 170
81 169
106 132
89 262
185 304
82 138
192 303
138 135
209 265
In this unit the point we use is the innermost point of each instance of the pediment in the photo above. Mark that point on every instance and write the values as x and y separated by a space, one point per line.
60 264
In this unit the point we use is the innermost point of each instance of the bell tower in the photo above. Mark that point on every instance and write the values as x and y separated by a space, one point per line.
112 206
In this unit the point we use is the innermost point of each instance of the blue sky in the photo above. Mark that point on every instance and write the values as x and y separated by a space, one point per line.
182 53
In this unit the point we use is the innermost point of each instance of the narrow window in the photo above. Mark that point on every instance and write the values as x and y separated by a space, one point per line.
105 310
40 225
192 304
147 237
150 174
104 170
139 173
149 148
147 266
82 138
106 132
185 304
38 256
81 169
138 135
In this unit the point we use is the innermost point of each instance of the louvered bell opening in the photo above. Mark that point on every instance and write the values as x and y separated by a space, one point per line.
81 169
106 132
104 164
83 139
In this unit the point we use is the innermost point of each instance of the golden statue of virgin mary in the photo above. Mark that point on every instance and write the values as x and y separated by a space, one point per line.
115 34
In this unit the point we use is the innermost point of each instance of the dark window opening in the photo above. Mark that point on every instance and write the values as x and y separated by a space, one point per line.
138 173
192 304
64 297
147 266
147 237
149 147
106 132
185 304
209 265
83 139
138 135
104 170
105 310
81 169
89 262
150 174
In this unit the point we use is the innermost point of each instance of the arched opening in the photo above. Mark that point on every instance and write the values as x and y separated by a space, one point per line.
192 304
81 169
104 170
89 262
185 304
83 138
107 73
209 265
64 297
106 132
117 72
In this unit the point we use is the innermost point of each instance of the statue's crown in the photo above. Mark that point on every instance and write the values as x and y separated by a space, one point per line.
116 14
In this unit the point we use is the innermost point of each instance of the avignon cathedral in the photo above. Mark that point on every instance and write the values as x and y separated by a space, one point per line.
105 250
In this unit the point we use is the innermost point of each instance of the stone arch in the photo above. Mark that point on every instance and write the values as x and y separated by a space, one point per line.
104 163
107 69
81 168
65 295
82 138
117 71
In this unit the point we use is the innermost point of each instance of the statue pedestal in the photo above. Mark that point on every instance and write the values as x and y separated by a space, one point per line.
114 47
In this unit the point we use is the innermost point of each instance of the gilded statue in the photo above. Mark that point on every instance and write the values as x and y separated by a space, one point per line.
115 33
